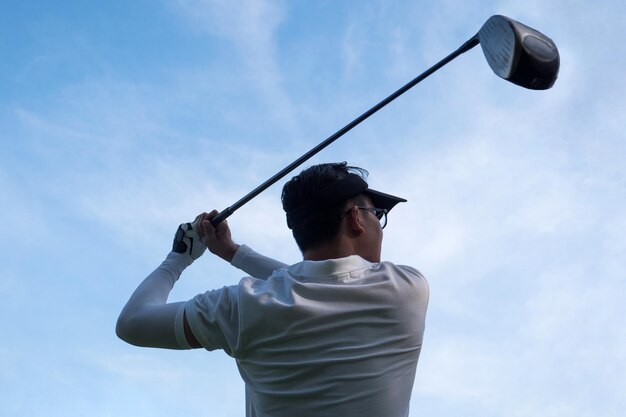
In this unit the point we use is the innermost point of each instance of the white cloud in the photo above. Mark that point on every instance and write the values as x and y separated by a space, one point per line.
170 381
564 358
250 25
245 21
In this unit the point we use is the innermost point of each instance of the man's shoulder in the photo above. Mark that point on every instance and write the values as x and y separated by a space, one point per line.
406 269
404 273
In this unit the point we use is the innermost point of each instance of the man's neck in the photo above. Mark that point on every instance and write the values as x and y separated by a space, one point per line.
339 248
321 254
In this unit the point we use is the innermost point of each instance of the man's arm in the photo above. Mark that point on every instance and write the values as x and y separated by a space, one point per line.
219 241
147 319
255 264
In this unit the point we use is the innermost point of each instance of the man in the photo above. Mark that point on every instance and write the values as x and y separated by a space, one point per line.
338 334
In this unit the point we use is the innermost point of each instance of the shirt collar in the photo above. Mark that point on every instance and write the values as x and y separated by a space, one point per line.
330 267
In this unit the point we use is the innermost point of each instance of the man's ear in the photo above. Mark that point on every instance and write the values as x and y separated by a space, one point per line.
355 223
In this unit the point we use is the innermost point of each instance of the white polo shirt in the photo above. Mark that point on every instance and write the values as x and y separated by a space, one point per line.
338 337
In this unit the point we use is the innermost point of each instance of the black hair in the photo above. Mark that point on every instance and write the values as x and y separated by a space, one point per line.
320 226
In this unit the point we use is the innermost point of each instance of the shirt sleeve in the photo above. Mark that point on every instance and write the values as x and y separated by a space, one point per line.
214 319
255 264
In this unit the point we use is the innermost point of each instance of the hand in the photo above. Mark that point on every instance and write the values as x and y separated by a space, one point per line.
187 240
218 238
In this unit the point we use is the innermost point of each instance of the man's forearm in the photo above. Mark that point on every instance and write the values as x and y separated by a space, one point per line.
255 264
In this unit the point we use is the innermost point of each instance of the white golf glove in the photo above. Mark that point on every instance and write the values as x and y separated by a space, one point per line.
187 240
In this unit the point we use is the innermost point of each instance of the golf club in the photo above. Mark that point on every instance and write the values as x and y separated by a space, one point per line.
514 51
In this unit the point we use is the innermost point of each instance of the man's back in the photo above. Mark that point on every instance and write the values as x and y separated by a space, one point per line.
338 334
337 337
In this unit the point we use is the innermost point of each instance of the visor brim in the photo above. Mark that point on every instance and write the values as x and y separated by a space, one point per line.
383 200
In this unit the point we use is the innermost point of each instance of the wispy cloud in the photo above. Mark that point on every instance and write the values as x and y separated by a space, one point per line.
250 26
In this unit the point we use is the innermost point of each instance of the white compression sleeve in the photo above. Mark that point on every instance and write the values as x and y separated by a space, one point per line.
255 264
147 319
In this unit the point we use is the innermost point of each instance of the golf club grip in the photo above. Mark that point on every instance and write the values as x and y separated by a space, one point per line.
221 216
472 42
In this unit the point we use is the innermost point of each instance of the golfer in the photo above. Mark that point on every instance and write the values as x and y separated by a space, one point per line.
338 334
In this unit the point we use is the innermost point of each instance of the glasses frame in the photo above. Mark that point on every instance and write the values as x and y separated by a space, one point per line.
380 213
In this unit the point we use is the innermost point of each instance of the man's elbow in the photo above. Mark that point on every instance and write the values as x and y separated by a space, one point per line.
125 329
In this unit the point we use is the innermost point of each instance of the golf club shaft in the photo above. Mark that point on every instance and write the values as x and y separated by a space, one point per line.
230 210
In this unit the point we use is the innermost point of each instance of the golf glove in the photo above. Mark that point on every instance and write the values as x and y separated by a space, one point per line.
187 240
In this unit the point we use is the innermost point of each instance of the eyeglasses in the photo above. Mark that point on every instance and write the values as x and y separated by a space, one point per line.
381 214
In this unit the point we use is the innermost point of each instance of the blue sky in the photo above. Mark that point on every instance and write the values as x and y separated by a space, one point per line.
120 120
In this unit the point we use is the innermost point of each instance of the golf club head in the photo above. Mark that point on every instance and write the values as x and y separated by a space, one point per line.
519 54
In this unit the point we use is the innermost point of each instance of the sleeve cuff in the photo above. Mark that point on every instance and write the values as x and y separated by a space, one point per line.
179 328
174 265
178 261
239 259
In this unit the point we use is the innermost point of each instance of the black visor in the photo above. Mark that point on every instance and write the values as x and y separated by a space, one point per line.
340 191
